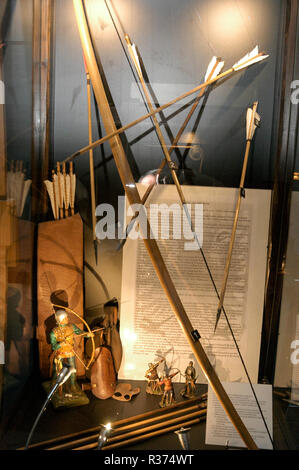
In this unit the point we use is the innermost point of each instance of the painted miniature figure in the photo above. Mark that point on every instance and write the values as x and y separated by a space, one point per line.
62 342
190 375
168 394
153 379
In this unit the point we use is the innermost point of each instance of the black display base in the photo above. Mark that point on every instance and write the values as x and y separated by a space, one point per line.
66 397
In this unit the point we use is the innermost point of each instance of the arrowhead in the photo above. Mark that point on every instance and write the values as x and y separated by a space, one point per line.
217 319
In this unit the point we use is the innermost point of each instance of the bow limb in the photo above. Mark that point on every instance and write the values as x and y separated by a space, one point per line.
89 330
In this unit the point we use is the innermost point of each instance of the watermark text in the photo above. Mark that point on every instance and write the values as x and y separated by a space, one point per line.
295 93
295 353
157 221
2 92
2 353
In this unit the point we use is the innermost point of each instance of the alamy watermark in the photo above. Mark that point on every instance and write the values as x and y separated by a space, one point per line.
2 92
295 93
295 353
2 353
157 221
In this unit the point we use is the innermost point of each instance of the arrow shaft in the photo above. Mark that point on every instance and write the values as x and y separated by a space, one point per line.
167 152
236 218
91 161
112 134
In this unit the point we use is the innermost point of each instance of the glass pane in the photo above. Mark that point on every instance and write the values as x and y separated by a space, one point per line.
15 222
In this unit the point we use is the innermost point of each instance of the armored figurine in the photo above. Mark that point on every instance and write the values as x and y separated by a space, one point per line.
153 378
62 342
168 394
190 376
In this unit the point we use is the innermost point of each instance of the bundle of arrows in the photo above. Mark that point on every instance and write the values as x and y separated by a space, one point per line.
17 185
61 191
129 431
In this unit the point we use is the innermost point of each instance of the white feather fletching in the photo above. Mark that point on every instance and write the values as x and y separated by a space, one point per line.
249 59
17 189
61 188
251 123
21 182
218 69
49 186
210 68
134 50
27 184
14 185
56 192
67 191
9 185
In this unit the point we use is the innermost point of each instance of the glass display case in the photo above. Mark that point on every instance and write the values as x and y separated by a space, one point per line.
148 205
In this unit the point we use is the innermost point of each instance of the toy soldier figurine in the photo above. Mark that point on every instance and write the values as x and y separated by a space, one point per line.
151 374
62 341
190 375
168 394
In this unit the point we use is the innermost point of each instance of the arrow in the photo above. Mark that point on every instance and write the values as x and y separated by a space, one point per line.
249 59
60 191
72 188
91 165
252 121
49 185
55 194
213 69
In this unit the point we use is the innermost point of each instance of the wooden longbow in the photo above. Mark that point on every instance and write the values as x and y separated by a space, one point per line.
128 182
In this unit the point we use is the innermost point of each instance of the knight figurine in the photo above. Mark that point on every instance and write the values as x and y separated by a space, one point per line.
190 376
62 342
153 378
168 394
